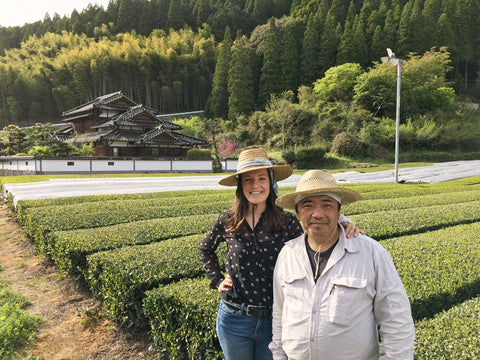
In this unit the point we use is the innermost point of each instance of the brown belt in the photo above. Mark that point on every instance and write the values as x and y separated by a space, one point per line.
251 310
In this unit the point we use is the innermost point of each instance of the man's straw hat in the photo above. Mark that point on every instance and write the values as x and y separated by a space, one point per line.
317 182
254 159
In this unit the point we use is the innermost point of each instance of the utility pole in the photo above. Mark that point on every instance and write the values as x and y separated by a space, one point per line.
392 59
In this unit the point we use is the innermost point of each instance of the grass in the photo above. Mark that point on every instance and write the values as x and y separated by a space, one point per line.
17 327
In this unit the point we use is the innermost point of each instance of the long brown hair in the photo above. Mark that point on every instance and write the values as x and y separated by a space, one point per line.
272 216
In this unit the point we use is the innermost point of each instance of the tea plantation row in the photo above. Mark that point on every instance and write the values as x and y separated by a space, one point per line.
139 255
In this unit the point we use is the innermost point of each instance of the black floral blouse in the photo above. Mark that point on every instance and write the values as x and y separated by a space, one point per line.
251 270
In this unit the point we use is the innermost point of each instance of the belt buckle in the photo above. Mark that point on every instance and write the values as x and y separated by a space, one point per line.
250 311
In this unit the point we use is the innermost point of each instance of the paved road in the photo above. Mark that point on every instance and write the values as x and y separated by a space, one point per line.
98 186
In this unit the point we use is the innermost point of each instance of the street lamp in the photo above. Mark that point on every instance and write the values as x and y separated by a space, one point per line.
392 59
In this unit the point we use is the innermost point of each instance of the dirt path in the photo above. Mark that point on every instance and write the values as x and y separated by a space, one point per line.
73 328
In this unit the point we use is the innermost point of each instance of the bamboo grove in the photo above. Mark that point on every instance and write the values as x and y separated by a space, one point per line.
176 56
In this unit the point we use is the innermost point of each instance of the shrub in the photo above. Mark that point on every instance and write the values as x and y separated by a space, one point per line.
289 156
386 224
452 334
17 327
199 154
168 197
120 277
310 157
41 221
347 144
182 320
367 206
69 249
437 280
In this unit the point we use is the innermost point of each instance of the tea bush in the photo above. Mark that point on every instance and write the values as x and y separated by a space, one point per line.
149 270
69 249
182 318
120 277
451 334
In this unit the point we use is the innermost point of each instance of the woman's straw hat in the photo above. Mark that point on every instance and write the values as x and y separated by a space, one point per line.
254 159
316 182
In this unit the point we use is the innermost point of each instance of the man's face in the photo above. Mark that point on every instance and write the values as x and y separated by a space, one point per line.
318 215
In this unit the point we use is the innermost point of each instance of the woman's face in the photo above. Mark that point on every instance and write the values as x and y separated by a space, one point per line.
256 186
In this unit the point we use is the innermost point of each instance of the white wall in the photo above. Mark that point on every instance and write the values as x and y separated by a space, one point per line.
40 165
153 165
188 165
112 165
229 165
21 163
70 165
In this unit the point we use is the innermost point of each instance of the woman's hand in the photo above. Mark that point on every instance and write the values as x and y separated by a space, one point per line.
351 229
226 284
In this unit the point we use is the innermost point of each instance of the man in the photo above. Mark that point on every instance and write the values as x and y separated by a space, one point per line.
336 298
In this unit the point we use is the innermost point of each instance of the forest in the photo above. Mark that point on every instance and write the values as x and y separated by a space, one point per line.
243 61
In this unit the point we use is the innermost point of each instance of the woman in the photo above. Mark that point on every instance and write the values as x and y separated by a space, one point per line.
255 230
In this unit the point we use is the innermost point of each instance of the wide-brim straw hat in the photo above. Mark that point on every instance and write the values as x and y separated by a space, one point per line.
315 182
255 159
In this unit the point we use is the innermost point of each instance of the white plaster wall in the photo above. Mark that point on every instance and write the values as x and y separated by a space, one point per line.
118 165
152 165
230 165
46 166
19 164
193 165
62 165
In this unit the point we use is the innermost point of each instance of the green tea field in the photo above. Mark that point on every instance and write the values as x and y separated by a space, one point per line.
138 255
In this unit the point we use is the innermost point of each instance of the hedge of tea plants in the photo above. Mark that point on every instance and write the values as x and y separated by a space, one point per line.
440 270
120 277
138 253
69 249
451 334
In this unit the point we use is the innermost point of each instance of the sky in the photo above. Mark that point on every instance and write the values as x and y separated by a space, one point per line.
19 12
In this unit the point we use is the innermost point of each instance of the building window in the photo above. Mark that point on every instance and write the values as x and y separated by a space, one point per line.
26 162
70 163
111 163
115 152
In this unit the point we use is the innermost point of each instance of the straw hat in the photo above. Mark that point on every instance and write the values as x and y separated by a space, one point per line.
316 182
254 159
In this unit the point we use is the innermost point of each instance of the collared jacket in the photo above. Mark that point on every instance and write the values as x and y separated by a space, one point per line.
358 308
251 270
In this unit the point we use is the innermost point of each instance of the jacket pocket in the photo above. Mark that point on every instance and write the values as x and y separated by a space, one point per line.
293 286
345 293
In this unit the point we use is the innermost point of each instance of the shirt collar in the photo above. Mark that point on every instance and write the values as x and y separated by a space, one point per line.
349 245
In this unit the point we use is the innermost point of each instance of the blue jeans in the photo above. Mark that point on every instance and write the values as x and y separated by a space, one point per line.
243 337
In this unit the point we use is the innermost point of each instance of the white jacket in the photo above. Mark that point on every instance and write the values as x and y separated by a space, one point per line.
357 302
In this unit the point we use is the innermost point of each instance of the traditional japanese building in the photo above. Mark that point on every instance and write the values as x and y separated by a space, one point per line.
117 126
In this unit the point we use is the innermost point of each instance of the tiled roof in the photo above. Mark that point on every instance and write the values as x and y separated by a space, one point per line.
176 138
188 139
123 135
128 117
134 124
100 102
169 125
92 136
